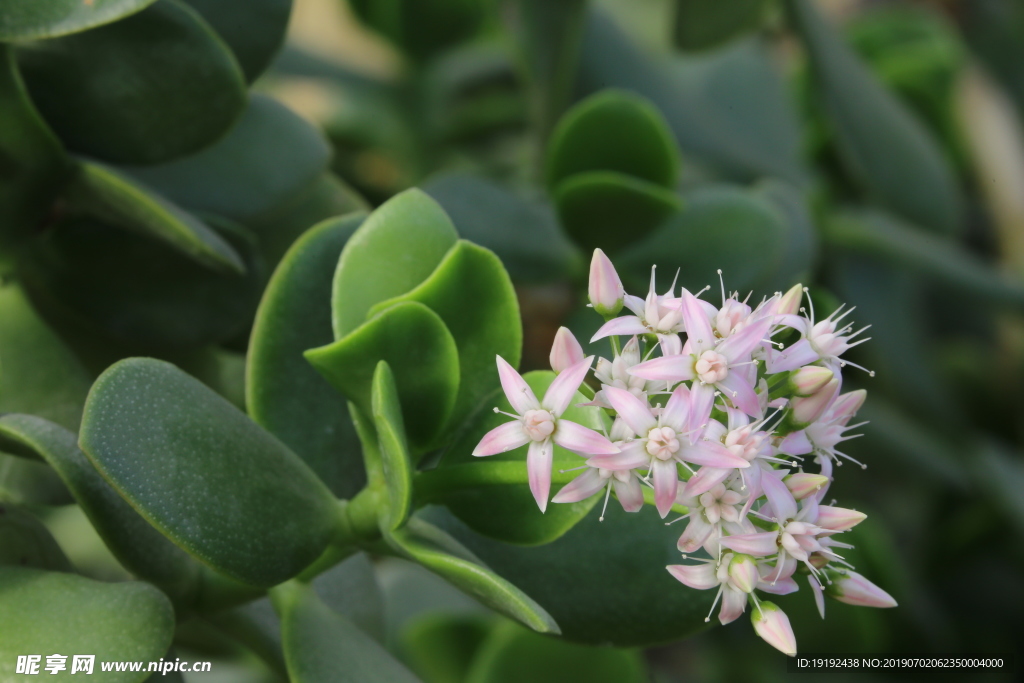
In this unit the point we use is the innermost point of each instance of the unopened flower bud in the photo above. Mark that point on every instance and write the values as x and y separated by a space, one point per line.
804 484
818 560
809 379
839 519
846 405
565 351
807 409
605 290
853 589
789 303
743 574
772 624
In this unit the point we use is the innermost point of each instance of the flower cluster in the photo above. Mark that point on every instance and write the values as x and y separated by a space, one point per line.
719 427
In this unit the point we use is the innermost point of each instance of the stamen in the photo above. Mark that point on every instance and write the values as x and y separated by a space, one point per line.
607 494
573 469
721 283
714 604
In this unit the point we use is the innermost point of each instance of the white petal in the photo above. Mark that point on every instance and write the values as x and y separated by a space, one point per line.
797 355
629 493
698 326
779 495
677 412
738 347
738 390
666 481
517 391
634 412
561 392
696 532
581 488
538 468
733 602
626 325
507 437
665 369
758 545
700 576
580 439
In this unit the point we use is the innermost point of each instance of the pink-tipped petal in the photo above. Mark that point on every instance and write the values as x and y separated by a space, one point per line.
854 589
796 443
847 405
706 479
737 389
838 519
702 400
772 624
804 484
565 351
780 497
517 391
677 411
733 603
738 347
627 325
629 493
666 482
605 287
695 534
581 488
784 585
697 324
819 595
538 469
808 409
797 355
579 439
561 392
809 379
759 544
632 455
671 344
699 576
634 412
712 454
665 369
507 437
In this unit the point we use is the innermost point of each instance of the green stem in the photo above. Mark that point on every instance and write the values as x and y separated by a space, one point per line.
616 346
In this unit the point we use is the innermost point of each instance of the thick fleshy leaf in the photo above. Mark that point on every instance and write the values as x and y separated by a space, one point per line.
39 374
440 647
25 542
512 653
610 210
395 249
284 394
32 19
164 440
157 85
136 289
491 494
720 227
427 372
34 164
801 241
26 481
53 612
253 30
473 295
394 450
109 195
431 547
704 24
587 605
323 646
268 158
884 148
524 234
613 130
422 28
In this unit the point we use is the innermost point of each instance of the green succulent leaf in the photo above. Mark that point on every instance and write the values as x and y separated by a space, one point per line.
614 130
581 578
426 372
323 646
39 374
268 159
253 30
704 24
884 148
512 653
157 85
492 494
112 196
473 295
440 647
32 161
396 249
612 210
396 465
25 542
138 290
284 394
165 441
433 548
801 240
24 480
422 28
32 19
47 612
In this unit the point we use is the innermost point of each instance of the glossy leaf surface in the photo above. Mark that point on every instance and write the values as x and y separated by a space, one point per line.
32 19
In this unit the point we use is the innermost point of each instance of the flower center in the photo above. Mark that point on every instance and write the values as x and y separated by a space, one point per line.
711 367
662 443
538 424
743 443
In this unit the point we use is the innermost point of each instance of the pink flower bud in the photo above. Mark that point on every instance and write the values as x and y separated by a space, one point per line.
853 589
743 574
565 351
605 290
803 484
808 409
790 302
772 624
847 405
809 379
839 519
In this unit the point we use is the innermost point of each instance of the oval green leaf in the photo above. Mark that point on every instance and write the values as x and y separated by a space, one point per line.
704 24
492 494
614 130
885 149
157 85
253 30
25 542
284 394
267 159
396 465
611 210
426 372
109 195
201 472
32 19
53 612
26 481
474 296
397 248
